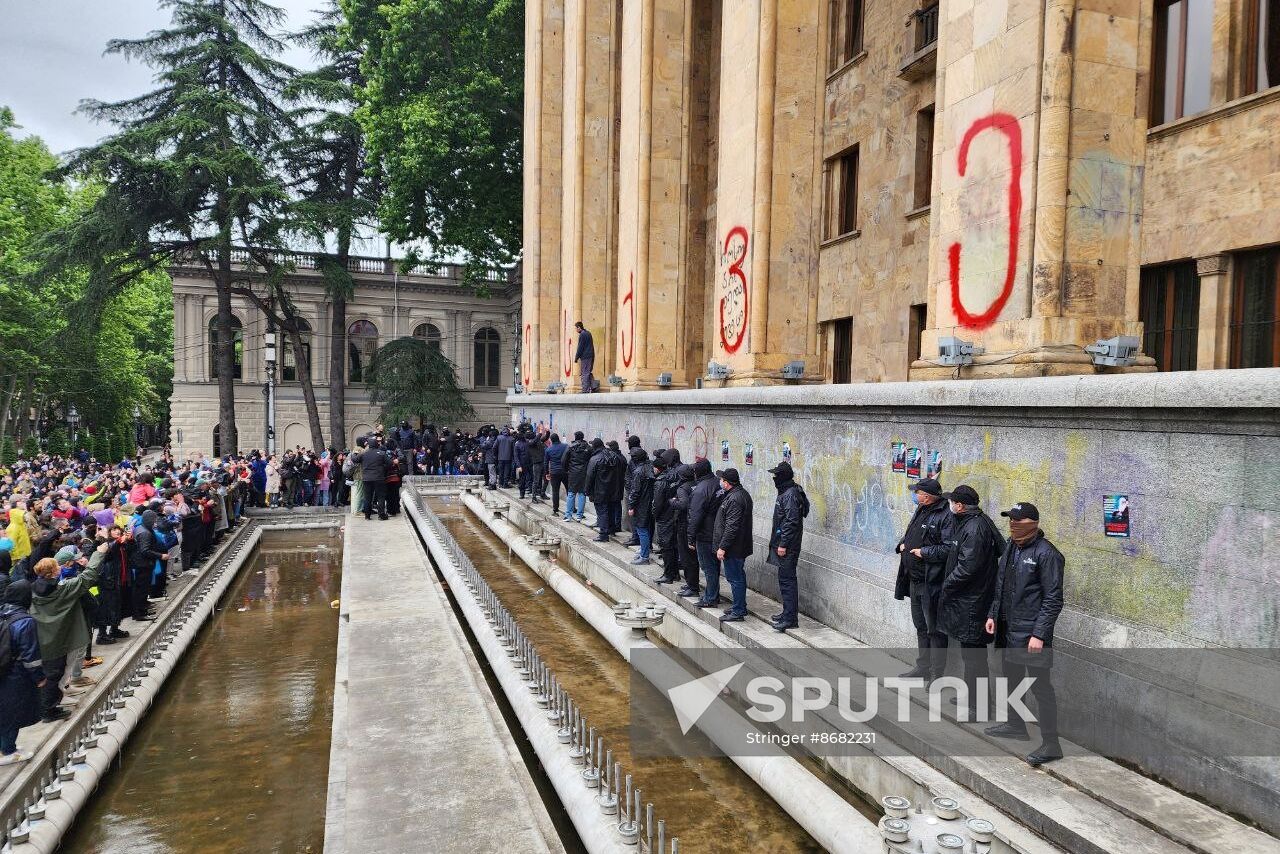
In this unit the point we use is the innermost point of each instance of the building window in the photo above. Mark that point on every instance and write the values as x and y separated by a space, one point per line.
846 31
1261 45
924 157
288 364
841 179
237 346
1169 307
1255 312
488 371
1180 66
842 350
430 333
218 450
362 345
917 323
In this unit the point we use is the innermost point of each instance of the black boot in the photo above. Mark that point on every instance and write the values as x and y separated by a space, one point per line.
104 639
920 671
1046 752
1009 729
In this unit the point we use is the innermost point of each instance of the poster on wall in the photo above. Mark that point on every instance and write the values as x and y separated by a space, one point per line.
935 465
913 462
750 454
724 450
899 456
1115 515
786 452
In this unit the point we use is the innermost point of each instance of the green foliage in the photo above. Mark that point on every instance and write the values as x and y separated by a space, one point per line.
59 443
87 442
442 110
30 447
409 378
7 451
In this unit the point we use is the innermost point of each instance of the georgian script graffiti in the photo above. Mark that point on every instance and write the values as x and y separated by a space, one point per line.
734 303
983 317
568 346
629 346
528 330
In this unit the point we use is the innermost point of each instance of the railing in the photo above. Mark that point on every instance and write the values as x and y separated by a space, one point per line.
364 264
926 26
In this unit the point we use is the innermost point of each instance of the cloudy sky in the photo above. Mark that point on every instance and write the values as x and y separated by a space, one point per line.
51 57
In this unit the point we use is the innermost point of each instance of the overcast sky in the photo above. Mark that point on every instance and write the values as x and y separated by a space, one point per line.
51 57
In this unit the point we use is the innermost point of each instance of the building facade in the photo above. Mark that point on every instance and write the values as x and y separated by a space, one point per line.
844 182
478 334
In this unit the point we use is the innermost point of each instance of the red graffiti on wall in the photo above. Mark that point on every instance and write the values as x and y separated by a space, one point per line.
528 329
671 435
568 346
734 303
1007 125
699 443
628 352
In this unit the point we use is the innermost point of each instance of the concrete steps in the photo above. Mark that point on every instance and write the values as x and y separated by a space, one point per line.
1084 802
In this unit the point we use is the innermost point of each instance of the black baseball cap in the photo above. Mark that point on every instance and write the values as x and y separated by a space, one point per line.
783 467
927 485
730 475
1022 510
963 494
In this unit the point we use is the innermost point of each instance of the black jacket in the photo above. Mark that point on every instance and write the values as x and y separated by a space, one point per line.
575 465
586 346
618 473
1035 573
732 529
637 458
506 447
537 452
373 465
702 509
640 495
596 484
145 551
789 510
929 528
664 513
970 581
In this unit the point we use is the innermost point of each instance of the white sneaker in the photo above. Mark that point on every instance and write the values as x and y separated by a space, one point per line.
15 758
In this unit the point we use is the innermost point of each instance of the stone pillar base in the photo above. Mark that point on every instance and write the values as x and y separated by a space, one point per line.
1041 362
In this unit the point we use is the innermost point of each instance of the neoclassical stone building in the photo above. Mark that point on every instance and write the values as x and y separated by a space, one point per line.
844 182
478 334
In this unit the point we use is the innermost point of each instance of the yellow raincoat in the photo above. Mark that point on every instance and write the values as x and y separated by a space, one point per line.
17 531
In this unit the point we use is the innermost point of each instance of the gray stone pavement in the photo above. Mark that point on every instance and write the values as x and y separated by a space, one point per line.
421 758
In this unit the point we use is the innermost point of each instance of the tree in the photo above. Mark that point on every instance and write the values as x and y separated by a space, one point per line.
335 184
409 378
189 171
442 111
59 443
30 448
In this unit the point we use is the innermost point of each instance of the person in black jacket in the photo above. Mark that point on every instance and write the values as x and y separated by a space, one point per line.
1024 610
522 464
506 458
699 526
968 586
142 563
731 535
586 355
640 502
373 472
555 471
921 580
114 587
688 558
618 472
665 482
633 442
537 465
490 446
785 536
575 467
597 487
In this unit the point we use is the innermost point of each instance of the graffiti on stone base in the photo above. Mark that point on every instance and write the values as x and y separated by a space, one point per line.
734 302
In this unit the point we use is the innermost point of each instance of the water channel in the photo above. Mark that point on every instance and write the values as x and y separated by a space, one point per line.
707 802
234 756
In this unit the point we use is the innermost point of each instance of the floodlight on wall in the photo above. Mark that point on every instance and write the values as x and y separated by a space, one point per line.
717 371
953 352
793 370
664 379
1118 352
616 381
555 387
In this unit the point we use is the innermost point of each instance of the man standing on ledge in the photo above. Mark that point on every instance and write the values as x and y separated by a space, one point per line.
731 535
586 354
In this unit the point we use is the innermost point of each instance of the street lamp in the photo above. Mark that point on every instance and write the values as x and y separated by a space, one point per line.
73 421
137 425
269 355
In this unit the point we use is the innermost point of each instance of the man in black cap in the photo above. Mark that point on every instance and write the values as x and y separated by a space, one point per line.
968 587
633 442
699 528
923 560
665 483
731 535
1027 601
785 535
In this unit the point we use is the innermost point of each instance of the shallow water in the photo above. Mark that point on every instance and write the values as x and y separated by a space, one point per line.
234 756
707 802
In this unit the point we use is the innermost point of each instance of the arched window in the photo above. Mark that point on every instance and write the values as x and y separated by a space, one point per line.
430 333
288 364
362 344
488 371
237 344
218 449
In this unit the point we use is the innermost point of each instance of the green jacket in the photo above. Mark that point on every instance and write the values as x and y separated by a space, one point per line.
60 621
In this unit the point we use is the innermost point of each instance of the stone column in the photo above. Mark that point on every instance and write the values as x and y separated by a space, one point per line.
543 123
180 333
462 324
1213 343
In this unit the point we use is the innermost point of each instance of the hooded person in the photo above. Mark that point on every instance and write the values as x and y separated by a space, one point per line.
597 486
666 481
698 528
785 536
687 558
60 622
147 551
17 531
20 685
639 501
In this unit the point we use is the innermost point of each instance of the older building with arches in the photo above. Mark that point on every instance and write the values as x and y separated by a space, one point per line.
477 333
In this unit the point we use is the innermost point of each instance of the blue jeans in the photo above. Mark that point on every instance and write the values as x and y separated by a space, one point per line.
646 537
9 737
735 573
710 572
575 504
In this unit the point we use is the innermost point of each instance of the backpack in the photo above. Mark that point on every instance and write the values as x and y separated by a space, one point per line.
6 643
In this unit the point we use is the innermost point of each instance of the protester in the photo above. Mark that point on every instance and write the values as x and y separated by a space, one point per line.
665 482
786 534
639 500
21 682
703 505
732 538
686 558
920 577
576 459
60 623
597 487
555 473
585 357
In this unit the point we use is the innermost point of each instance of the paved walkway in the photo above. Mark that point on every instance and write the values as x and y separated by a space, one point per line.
421 759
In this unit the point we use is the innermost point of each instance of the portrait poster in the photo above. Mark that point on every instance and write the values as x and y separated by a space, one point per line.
750 453
913 462
899 456
724 450
786 452
935 465
1115 515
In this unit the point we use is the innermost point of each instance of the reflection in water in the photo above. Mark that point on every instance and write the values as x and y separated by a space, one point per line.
234 756
707 802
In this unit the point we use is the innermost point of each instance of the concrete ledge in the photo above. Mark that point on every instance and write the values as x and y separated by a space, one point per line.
1252 389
